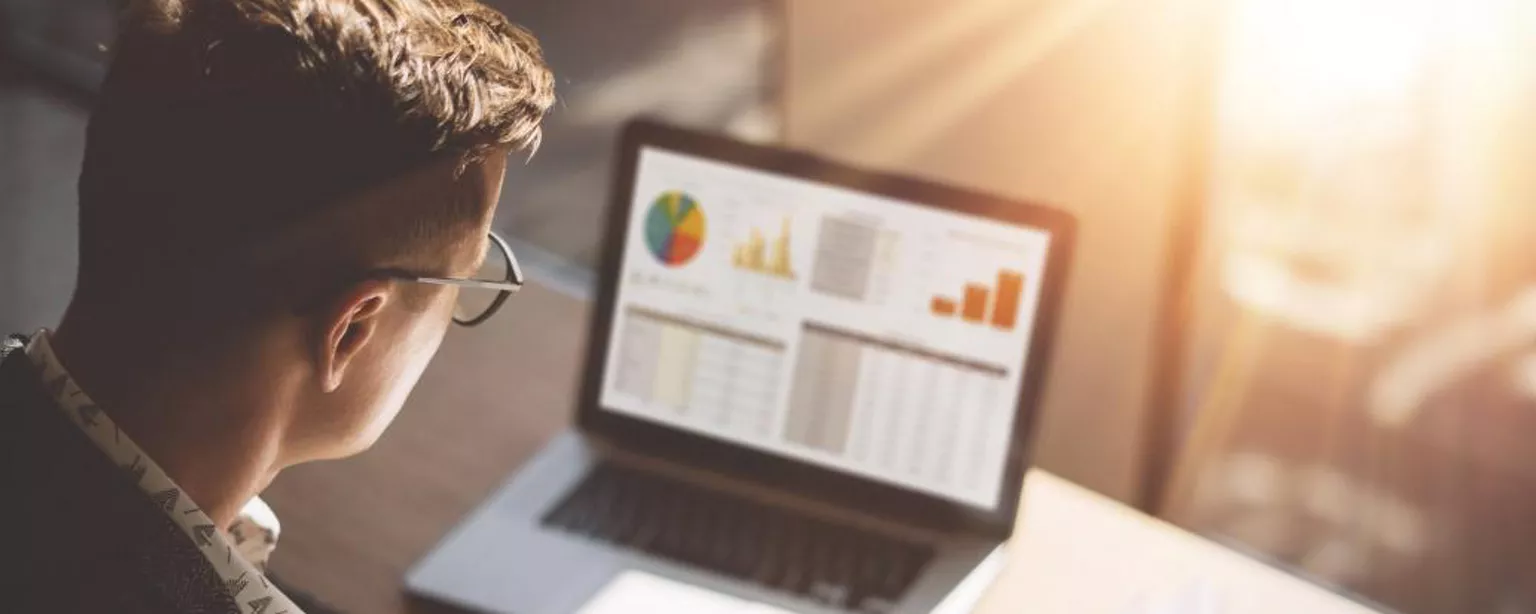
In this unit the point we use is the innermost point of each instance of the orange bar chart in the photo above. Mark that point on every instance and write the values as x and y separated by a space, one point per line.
974 307
979 300
1010 288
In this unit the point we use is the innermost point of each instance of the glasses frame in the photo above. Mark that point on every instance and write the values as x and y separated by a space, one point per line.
505 287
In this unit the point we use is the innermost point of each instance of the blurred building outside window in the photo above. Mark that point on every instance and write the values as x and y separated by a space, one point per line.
1362 378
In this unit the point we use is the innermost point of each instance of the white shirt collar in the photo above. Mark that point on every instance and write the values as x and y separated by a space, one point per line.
237 556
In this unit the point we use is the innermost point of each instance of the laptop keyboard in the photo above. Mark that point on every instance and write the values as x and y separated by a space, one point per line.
834 564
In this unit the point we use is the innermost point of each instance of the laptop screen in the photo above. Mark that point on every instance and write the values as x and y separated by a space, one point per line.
874 337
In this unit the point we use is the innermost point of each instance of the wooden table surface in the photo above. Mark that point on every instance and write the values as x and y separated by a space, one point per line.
497 392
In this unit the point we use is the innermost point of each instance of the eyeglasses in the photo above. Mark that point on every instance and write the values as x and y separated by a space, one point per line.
481 296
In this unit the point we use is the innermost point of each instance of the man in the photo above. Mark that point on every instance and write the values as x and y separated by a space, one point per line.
280 204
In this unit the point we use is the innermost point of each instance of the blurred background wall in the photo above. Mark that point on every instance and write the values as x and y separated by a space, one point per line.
1358 398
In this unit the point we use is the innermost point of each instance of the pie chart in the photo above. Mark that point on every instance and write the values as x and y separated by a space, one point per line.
674 228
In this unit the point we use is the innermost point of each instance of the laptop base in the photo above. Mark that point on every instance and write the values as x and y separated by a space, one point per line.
506 558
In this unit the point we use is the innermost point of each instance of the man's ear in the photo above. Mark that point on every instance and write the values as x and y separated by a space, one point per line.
350 324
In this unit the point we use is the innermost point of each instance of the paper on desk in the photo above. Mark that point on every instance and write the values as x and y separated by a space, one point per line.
1199 597
637 592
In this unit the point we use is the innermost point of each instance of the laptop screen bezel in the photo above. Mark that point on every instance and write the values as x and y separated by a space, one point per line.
821 483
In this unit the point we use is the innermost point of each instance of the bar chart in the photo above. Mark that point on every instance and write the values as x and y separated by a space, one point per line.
758 255
997 305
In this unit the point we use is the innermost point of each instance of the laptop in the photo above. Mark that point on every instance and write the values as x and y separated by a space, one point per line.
810 388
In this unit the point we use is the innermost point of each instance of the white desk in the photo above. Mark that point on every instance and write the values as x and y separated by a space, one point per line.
1077 552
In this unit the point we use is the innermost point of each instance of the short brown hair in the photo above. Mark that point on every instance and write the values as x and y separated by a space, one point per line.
222 120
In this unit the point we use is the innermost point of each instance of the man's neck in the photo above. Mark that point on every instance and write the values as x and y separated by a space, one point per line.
212 433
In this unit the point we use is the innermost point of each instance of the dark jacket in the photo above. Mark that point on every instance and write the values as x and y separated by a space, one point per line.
75 534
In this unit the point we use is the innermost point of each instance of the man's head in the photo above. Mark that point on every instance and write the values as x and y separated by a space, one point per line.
252 163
